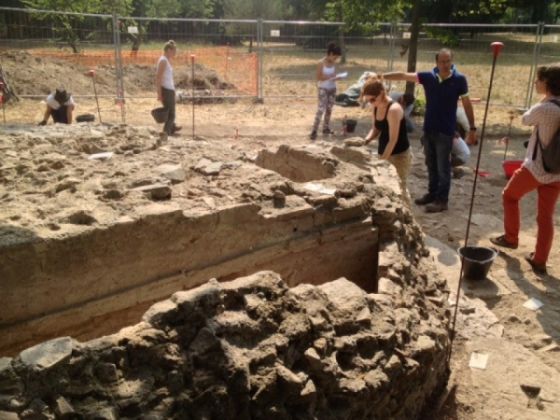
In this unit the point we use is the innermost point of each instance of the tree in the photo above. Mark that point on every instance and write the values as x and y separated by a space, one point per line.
362 15
64 25
413 44
243 9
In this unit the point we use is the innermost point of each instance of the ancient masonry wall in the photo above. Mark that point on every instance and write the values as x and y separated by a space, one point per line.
102 279
260 346
250 348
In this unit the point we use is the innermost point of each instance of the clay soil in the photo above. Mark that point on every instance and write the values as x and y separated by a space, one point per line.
524 353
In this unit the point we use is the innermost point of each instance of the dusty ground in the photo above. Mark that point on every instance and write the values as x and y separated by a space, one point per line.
526 352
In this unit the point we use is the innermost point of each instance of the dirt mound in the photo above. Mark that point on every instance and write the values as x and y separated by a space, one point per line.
35 75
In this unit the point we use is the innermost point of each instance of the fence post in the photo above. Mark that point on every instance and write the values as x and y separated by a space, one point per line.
118 65
260 66
342 43
392 36
536 54
227 62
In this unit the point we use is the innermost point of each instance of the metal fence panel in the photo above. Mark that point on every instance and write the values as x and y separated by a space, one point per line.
60 44
389 49
224 53
252 58
291 51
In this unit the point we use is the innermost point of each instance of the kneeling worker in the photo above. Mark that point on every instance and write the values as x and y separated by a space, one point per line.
60 105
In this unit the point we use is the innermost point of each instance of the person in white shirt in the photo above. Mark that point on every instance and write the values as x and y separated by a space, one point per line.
60 106
544 117
165 86
326 80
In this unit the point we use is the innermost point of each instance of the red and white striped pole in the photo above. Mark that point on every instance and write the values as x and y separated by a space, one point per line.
192 96
2 101
91 73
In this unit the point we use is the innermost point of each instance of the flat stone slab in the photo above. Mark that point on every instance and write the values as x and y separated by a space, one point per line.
48 354
175 173
207 167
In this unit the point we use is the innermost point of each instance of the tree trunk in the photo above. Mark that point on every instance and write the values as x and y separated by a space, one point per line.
342 45
341 34
413 44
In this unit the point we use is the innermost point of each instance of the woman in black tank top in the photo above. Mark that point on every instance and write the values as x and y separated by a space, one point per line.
390 126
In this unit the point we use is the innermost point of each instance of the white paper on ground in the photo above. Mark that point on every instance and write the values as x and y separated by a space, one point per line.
101 156
478 360
320 188
533 304
342 75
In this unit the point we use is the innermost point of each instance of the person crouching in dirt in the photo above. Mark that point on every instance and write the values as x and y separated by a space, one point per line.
545 119
60 105
165 86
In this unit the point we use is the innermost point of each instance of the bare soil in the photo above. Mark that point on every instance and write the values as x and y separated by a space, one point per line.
31 74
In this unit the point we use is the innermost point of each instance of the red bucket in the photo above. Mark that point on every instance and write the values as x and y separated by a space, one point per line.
510 166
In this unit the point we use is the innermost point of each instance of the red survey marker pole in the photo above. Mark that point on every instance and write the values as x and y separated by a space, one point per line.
496 48
2 101
192 97
91 73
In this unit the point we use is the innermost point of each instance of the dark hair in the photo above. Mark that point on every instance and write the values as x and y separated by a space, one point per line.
61 96
550 75
444 51
334 49
373 87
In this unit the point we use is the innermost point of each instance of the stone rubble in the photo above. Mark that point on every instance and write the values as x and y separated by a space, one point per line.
249 348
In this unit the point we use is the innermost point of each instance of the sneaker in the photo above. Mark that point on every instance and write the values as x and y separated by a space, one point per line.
537 268
42 123
501 241
436 207
327 131
313 135
425 199
176 129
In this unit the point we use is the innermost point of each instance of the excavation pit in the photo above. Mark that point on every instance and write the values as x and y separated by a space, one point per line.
346 309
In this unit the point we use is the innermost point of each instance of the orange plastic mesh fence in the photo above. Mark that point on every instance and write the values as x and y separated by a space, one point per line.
237 68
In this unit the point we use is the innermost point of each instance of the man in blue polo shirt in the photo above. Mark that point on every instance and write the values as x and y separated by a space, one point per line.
443 86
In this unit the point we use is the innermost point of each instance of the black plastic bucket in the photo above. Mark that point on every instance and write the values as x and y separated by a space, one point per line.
476 261
85 118
351 125
160 114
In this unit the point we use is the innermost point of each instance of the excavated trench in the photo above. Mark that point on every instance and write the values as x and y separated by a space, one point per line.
347 320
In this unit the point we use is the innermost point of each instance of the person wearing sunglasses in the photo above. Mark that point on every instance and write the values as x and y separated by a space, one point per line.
389 126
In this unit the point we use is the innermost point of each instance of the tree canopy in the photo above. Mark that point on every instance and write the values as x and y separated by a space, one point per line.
357 14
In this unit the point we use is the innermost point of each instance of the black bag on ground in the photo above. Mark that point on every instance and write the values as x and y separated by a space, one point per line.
160 114
551 153
85 118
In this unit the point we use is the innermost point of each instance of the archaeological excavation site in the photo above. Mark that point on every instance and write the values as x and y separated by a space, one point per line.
198 279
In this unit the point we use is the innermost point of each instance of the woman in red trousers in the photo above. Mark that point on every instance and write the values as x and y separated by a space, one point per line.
545 119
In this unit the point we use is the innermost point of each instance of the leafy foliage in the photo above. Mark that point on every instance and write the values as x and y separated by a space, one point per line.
64 25
363 15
